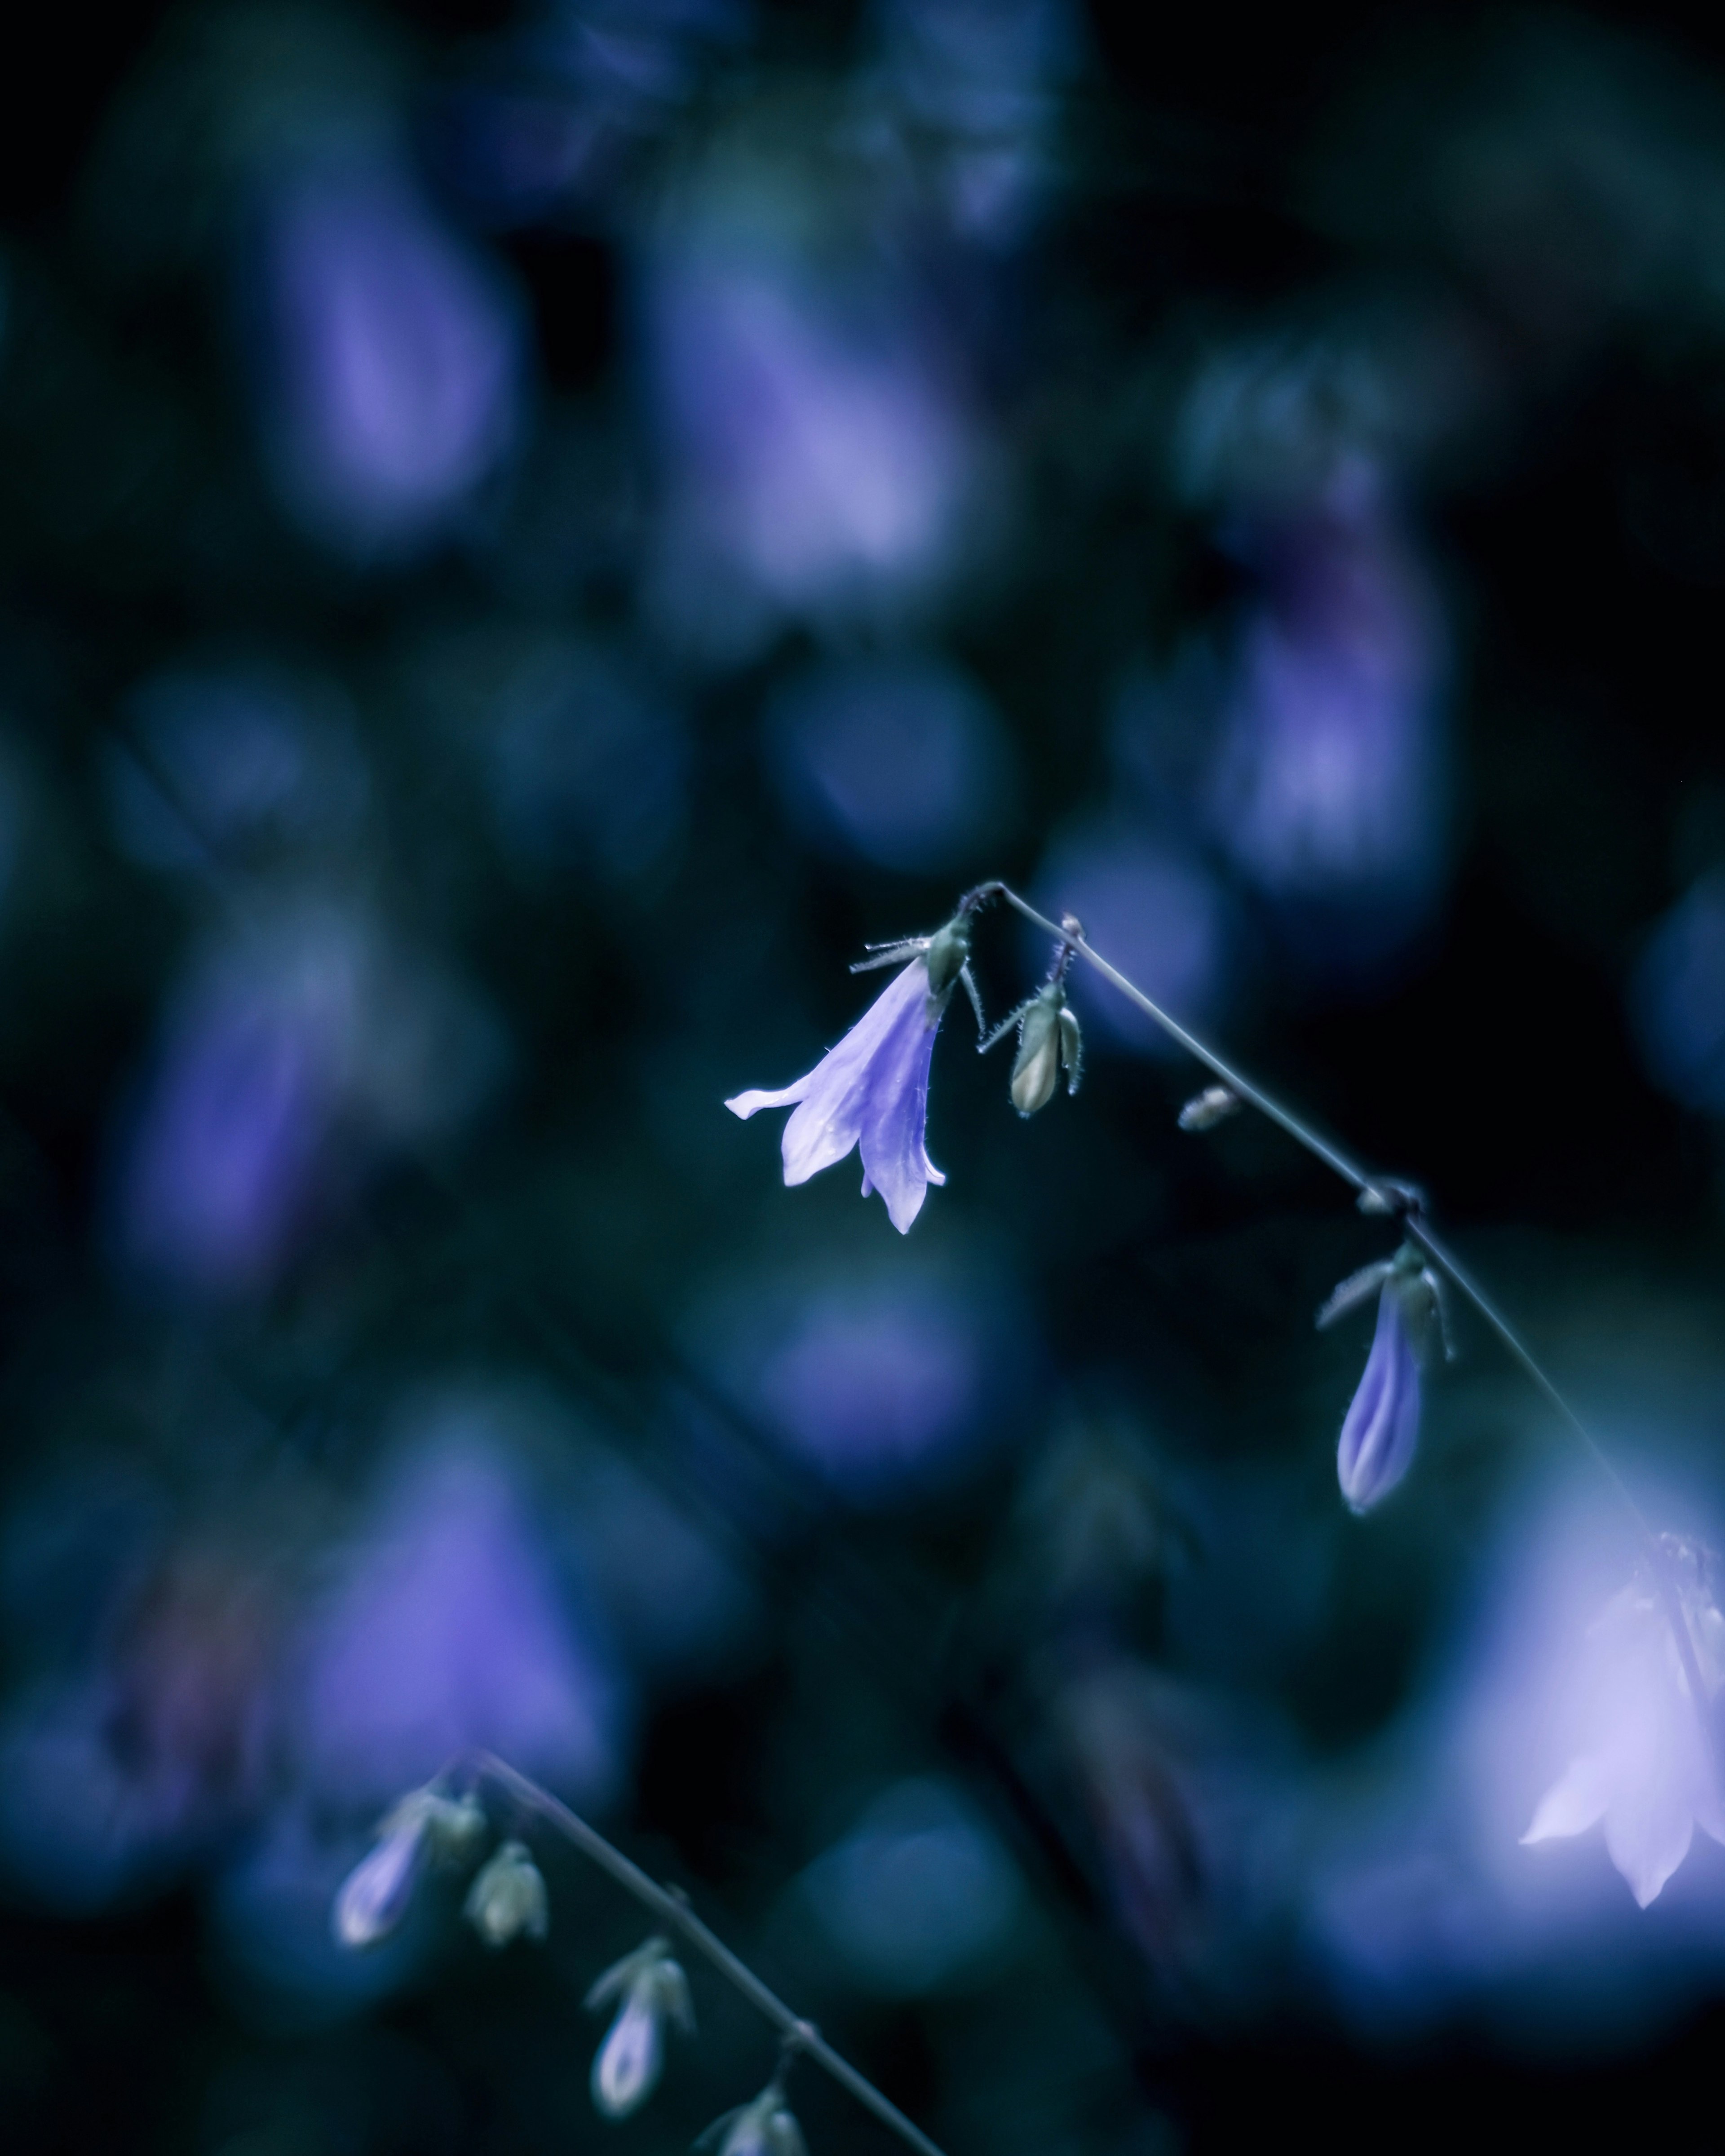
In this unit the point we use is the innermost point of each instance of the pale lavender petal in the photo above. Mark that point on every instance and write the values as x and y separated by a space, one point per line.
1382 1425
834 1095
1572 1804
894 1159
748 1104
1648 1836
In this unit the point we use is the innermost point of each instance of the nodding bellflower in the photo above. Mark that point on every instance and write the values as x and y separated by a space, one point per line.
1647 1771
1381 1428
653 1991
425 1827
872 1090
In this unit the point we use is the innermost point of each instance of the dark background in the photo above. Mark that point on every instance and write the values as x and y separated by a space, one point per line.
1223 169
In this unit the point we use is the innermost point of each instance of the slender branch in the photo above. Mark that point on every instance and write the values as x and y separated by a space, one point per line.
1397 1198
672 1910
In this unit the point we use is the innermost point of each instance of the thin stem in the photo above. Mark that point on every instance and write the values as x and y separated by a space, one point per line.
1395 1197
673 1910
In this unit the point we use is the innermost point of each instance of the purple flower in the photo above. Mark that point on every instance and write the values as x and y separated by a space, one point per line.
1382 1425
1646 1770
872 1090
653 1991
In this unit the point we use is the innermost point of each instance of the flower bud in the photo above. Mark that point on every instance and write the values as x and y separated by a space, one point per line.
508 1898
763 2127
425 1827
653 1991
1037 1069
1048 1038
1382 1426
1205 1109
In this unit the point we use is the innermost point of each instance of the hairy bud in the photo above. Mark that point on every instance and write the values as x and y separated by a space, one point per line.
1205 1109
508 1898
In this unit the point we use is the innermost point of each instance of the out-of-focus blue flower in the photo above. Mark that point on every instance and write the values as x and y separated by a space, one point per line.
871 1091
900 760
1678 998
296 1050
1382 1425
231 758
817 457
1329 791
874 1386
652 1991
450 1630
1651 1770
390 359
1150 910
918 1897
970 86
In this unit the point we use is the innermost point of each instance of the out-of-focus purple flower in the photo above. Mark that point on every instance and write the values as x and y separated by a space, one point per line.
1382 1425
1677 998
900 759
449 1631
1152 911
872 1090
874 1386
390 359
817 458
1650 1771
1329 788
304 1033
426 1827
653 1990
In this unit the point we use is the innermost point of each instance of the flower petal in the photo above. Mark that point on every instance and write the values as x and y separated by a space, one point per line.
894 1115
750 1104
1572 1805
1382 1425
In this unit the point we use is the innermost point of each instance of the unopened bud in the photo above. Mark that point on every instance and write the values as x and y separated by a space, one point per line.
425 1827
1036 1069
763 2127
1205 1109
508 1898
653 1991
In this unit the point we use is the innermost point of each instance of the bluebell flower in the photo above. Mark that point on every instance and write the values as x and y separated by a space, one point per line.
1644 1772
872 1090
1381 1428
653 1990
425 1827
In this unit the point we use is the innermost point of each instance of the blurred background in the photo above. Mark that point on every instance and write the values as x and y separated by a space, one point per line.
530 530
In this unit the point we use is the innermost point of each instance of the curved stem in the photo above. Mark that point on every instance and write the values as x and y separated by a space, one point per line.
672 1910
1395 1197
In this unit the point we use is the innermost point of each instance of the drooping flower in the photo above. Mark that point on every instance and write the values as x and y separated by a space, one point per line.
1649 1772
425 1827
653 1991
1049 1036
507 1898
1381 1428
872 1090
